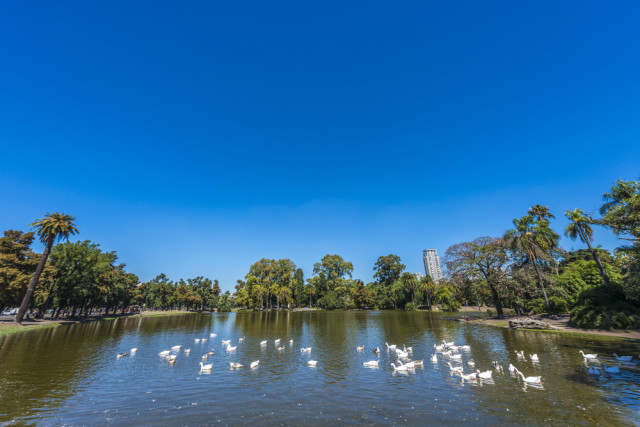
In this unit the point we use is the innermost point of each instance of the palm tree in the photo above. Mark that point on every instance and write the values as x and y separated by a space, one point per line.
534 239
54 226
409 281
427 286
579 228
540 212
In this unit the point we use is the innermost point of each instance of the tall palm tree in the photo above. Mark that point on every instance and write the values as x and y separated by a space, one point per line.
409 281
54 226
579 227
427 286
534 239
540 212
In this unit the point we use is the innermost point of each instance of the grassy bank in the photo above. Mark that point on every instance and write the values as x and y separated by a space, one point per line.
625 335
7 326
13 328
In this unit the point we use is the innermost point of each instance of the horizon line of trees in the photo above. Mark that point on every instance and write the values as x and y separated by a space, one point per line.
525 269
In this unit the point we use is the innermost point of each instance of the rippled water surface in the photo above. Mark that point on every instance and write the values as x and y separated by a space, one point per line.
70 374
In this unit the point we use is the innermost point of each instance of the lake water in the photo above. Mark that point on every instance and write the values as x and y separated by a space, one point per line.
70 374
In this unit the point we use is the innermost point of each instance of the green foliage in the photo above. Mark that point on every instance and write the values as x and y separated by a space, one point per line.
604 307
17 266
388 269
331 301
362 296
412 307
446 298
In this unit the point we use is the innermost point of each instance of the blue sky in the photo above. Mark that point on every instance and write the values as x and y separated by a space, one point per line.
196 138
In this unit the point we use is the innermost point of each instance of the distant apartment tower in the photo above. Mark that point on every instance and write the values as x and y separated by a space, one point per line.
432 264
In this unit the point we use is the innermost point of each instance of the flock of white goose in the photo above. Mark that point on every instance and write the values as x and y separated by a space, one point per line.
402 363
593 358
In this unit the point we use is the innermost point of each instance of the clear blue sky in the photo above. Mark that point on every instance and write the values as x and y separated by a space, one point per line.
195 138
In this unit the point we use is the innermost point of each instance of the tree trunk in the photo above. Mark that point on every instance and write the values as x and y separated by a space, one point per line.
34 281
534 260
496 301
596 258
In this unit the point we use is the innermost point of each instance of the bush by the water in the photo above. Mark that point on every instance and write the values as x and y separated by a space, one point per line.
411 307
557 305
604 307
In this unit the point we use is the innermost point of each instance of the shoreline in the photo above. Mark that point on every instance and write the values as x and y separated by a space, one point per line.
560 325
7 325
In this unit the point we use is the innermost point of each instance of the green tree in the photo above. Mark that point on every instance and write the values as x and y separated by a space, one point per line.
579 227
299 294
54 226
540 212
331 273
388 269
534 239
621 212
427 286
484 258
410 283
17 265
362 297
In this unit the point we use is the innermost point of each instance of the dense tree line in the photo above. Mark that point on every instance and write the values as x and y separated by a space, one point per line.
525 269
76 279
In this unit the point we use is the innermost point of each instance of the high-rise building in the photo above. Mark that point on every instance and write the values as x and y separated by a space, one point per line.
432 264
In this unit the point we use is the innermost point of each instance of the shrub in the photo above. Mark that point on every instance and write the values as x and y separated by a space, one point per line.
411 307
605 308
490 312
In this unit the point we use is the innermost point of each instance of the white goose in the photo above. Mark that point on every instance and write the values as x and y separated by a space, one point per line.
280 348
612 369
465 347
305 350
206 368
234 365
471 363
121 355
276 342
187 350
620 358
468 377
434 358
401 368
531 380
418 362
520 354
133 350
448 344
230 349
371 363
176 347
455 368
512 368
407 349
486 375
213 335
197 340
534 357
254 364
312 363
172 359
438 347
225 342
589 356
410 364
164 353
360 348
390 347
263 343
498 367
290 341
402 354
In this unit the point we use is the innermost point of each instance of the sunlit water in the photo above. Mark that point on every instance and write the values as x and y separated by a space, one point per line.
70 374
